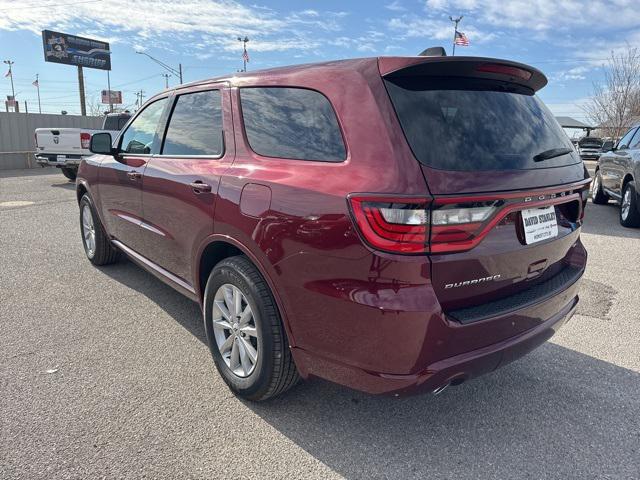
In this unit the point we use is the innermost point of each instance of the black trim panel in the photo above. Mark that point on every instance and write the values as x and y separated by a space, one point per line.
538 293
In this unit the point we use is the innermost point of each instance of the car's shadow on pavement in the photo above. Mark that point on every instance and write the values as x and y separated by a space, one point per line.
604 220
184 311
556 413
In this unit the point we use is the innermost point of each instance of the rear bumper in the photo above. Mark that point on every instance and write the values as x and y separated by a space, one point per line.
58 160
454 369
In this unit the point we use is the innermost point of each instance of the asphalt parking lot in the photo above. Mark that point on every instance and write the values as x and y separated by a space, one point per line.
104 373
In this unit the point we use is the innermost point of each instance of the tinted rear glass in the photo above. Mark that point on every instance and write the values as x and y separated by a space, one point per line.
291 123
195 126
466 124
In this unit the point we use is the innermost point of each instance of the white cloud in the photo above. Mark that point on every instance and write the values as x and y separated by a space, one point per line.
395 6
156 23
410 26
545 15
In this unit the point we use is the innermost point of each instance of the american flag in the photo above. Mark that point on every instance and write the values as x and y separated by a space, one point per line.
245 55
461 39
8 74
36 83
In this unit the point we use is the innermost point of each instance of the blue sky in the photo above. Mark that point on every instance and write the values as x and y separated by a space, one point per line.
567 39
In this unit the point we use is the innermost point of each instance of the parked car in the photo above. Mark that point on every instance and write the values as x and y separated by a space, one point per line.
64 148
616 175
590 148
363 221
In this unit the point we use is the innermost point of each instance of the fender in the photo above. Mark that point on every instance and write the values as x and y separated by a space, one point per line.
264 267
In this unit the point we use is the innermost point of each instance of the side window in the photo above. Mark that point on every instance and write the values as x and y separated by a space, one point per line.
122 121
291 123
141 134
635 143
195 126
623 144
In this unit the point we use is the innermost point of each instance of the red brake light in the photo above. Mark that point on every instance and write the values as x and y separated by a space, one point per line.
393 224
504 70
85 140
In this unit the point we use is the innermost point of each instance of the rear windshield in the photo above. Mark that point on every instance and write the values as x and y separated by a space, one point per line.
590 142
467 124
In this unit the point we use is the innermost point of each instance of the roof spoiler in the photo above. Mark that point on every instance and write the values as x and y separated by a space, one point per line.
476 67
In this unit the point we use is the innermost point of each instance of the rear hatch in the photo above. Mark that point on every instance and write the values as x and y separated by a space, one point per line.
506 187
62 141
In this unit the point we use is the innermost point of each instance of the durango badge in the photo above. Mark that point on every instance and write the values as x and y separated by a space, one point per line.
472 282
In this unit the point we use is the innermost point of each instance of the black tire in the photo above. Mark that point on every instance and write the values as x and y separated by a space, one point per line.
274 371
597 193
70 173
104 253
632 218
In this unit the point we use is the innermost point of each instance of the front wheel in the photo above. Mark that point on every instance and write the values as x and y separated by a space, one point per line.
70 173
629 211
245 332
597 193
96 244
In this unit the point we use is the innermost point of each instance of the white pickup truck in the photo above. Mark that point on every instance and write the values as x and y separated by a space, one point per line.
64 148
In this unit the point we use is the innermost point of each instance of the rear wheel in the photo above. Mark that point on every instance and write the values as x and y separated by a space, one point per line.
597 193
70 173
245 333
94 239
629 211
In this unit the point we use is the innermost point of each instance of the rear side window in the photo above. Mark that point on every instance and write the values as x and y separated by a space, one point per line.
291 123
466 124
624 142
141 136
195 126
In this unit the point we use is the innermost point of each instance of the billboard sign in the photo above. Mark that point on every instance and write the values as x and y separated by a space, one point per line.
73 50
116 97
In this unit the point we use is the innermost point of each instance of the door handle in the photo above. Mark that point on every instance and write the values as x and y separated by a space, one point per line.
133 175
200 187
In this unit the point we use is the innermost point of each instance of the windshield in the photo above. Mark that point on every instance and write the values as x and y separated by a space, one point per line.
471 124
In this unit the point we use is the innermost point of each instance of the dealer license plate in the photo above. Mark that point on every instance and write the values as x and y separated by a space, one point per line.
539 224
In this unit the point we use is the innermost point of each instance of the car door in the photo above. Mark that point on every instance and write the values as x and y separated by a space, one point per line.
614 168
181 181
121 175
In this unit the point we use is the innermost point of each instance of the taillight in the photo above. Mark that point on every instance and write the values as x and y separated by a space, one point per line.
392 224
85 140
35 137
455 226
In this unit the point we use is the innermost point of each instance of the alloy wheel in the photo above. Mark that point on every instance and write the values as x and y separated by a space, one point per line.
235 330
626 204
88 230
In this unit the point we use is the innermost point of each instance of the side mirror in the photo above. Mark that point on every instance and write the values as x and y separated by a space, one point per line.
101 143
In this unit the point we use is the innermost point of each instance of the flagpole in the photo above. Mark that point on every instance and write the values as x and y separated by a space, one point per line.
455 31
13 92
38 88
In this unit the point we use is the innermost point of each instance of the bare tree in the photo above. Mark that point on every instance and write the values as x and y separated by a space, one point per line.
615 103
96 108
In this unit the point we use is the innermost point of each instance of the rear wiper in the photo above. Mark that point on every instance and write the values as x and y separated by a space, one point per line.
554 152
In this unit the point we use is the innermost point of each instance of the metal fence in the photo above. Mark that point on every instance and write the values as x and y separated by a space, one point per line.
17 144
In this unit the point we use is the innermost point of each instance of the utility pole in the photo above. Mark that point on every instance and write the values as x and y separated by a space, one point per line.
109 90
83 105
139 96
166 79
245 55
10 75
455 31
37 84
172 70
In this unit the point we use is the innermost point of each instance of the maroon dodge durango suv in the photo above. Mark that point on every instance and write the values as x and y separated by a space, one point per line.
390 224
